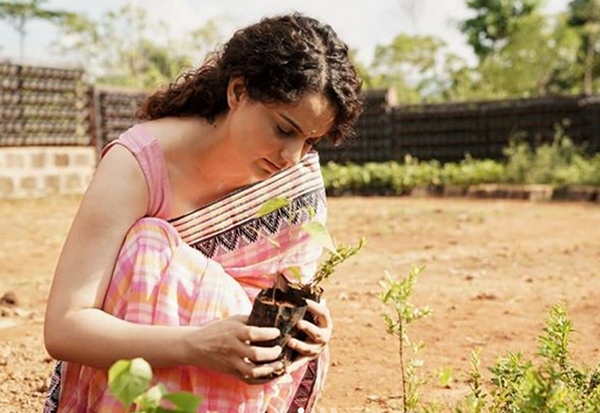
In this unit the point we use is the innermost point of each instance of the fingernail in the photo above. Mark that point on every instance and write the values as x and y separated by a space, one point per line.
280 368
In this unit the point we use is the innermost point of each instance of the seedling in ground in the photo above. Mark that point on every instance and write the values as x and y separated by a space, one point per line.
396 295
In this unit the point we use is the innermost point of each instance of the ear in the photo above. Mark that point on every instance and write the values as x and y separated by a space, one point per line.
236 91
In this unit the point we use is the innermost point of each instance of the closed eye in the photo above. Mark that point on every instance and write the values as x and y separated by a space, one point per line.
285 132
312 141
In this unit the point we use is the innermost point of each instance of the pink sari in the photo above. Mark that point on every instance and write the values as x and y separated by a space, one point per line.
202 267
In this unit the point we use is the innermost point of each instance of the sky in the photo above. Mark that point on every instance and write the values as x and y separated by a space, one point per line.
362 24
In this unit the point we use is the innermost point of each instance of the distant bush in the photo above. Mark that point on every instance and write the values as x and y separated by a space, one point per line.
558 163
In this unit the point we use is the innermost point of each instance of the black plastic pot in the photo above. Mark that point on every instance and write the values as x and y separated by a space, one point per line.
280 309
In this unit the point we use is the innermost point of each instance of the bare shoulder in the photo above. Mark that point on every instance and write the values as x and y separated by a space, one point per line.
118 186
174 134
162 130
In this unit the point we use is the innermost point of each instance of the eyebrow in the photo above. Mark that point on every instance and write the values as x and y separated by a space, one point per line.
293 122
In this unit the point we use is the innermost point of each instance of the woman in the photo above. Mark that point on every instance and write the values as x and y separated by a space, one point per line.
159 263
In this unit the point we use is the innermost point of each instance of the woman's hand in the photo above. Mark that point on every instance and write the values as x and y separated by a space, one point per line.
224 346
318 335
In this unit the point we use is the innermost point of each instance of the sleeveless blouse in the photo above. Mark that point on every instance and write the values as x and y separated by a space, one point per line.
149 155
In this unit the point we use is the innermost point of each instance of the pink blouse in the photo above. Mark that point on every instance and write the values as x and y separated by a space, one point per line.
149 155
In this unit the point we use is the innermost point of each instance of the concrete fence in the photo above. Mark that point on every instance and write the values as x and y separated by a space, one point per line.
53 125
48 140
35 171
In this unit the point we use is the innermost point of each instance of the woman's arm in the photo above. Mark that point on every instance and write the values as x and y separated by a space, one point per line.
77 330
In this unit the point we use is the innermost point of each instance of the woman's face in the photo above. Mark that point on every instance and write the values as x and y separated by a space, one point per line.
267 138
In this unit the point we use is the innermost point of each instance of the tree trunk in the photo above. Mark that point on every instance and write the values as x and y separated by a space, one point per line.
588 75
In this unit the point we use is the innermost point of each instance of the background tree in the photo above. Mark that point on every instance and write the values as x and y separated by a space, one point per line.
136 60
494 22
584 15
208 36
533 61
410 65
19 13
520 53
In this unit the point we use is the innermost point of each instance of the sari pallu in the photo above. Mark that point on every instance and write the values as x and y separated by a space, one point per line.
202 267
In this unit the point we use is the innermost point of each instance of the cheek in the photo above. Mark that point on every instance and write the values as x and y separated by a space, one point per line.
247 138
254 132
260 135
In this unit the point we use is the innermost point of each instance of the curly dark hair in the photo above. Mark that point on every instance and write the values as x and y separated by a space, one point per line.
280 59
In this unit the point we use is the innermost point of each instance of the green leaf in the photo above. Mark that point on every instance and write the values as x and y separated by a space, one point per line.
320 235
184 402
127 379
151 399
295 272
272 205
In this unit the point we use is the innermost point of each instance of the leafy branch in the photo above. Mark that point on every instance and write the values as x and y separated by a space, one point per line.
335 258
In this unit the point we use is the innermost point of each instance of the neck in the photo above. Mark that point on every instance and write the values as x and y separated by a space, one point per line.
198 157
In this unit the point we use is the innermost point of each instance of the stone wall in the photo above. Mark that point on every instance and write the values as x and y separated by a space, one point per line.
36 171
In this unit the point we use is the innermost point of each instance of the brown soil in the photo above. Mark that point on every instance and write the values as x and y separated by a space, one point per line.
493 269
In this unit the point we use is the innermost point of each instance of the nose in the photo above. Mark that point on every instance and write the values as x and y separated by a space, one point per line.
293 150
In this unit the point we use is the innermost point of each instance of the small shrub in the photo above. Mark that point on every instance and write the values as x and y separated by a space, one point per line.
551 385
396 295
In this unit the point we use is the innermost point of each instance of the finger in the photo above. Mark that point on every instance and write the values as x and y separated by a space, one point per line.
262 354
320 312
253 373
253 334
315 334
311 350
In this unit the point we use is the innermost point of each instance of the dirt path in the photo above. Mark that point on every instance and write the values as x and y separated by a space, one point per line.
493 269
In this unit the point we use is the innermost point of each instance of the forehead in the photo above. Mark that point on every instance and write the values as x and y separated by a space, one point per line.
313 113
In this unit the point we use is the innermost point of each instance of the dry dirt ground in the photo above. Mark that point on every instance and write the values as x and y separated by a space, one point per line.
493 269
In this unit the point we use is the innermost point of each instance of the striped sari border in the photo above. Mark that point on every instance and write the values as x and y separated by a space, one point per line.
243 205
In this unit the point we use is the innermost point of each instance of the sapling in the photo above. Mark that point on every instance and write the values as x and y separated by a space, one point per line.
284 304
396 294
319 235
475 401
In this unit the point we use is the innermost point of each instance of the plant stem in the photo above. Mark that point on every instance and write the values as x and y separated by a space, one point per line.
401 354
